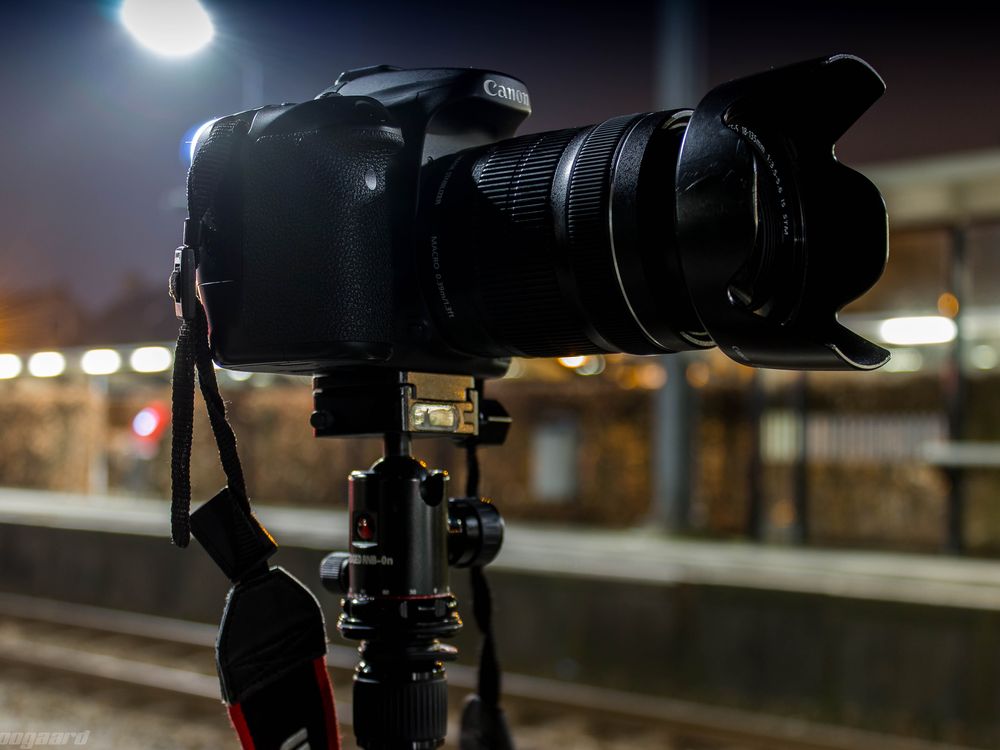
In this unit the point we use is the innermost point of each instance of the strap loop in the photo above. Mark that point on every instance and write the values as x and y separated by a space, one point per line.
193 352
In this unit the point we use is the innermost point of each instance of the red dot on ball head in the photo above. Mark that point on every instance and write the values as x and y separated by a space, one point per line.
364 529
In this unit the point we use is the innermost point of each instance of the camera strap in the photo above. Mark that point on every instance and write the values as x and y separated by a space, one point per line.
271 648
484 724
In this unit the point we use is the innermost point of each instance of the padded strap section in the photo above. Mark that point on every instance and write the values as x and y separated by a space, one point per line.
271 655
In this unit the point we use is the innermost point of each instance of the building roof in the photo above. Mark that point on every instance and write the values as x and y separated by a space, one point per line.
952 189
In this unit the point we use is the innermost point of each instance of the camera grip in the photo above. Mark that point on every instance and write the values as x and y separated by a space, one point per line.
314 280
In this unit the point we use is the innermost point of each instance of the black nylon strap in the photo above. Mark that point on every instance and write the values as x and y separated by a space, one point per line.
489 667
471 469
193 352
225 438
482 601
182 425
484 725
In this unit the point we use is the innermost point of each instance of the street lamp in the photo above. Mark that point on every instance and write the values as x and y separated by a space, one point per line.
173 29
179 28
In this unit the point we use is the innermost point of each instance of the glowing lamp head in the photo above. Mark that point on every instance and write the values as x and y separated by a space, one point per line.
173 29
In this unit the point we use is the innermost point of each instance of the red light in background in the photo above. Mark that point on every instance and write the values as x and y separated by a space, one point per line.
151 422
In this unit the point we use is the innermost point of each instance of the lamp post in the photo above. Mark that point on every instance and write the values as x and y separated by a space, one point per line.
678 67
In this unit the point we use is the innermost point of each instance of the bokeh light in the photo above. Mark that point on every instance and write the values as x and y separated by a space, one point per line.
47 364
923 329
151 359
101 362
10 366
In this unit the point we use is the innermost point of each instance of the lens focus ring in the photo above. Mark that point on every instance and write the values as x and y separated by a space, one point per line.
588 234
519 253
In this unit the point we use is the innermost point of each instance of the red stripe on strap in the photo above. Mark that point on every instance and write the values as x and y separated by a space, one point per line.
329 707
239 723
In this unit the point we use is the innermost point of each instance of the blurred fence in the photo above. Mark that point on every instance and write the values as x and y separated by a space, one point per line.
852 461
860 459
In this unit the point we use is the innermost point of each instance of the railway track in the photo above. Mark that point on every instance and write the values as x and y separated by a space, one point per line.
173 658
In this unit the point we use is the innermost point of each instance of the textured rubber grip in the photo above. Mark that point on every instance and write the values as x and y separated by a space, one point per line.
519 280
588 231
389 713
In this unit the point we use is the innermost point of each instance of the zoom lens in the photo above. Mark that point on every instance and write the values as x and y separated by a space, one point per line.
560 243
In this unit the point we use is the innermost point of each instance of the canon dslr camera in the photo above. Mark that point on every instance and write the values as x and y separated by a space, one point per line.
395 221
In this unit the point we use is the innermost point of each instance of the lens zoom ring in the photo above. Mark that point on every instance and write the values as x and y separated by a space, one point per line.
519 285
588 230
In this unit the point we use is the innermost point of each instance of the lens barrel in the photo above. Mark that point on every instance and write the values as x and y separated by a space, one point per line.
560 242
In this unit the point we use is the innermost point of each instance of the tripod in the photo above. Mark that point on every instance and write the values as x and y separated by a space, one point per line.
404 533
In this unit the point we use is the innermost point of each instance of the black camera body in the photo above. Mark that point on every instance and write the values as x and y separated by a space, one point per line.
323 272
394 221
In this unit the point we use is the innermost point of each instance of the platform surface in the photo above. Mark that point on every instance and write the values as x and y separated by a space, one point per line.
639 555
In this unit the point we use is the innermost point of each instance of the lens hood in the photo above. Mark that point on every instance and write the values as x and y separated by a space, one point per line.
775 235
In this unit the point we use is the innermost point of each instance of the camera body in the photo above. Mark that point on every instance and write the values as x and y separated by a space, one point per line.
313 265
395 221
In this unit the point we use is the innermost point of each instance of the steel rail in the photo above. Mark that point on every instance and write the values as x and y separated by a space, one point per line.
683 718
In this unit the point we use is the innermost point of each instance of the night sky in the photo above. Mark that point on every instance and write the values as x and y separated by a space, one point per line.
90 185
